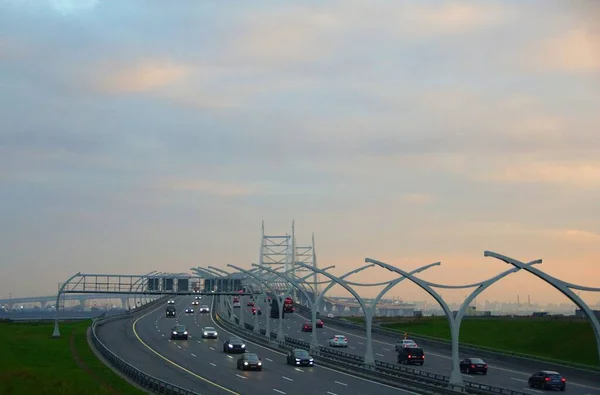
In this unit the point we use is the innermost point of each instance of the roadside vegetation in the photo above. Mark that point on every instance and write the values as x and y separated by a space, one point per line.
35 363
540 337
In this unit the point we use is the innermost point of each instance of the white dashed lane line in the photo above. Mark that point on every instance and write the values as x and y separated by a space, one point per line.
331 393
269 359
193 355
299 370
278 391
381 355
212 364
242 377
287 378
340 383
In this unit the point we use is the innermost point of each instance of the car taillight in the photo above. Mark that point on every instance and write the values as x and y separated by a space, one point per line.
485 366
345 339
547 379
563 380
422 356
409 357
473 366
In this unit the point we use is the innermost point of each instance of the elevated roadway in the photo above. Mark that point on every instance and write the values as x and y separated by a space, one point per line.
200 365
500 373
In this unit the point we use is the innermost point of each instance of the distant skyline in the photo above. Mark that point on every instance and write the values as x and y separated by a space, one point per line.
141 136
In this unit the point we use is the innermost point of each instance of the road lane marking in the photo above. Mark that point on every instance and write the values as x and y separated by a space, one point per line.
135 333
276 390
212 364
212 348
242 377
269 359
229 356
331 393
529 389
340 383
178 346
300 370
193 355
524 381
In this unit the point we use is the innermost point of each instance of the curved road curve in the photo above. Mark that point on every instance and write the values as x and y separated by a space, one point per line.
500 373
200 365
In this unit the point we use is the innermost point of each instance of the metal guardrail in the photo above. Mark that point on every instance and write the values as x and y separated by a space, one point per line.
385 369
144 380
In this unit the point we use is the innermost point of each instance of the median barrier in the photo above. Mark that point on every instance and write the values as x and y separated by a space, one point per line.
384 372
142 379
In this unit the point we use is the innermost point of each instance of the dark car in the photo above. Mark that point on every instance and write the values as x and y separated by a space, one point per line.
249 361
170 311
307 327
548 379
411 355
179 332
320 323
234 345
473 365
299 358
189 310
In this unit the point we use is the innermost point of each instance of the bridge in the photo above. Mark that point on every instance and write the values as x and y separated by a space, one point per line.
284 269
49 301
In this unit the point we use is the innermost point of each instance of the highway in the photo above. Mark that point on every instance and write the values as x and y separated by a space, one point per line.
500 373
200 365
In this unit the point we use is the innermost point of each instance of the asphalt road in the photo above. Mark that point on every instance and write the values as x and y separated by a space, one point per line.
199 364
500 373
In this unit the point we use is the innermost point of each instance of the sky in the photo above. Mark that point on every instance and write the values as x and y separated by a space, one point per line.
151 135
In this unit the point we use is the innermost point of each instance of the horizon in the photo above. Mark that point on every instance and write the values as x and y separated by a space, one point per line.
141 137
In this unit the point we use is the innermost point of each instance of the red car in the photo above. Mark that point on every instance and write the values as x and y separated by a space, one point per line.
250 303
307 327
254 311
320 323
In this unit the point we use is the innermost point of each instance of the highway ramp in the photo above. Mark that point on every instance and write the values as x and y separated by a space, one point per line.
200 365
500 373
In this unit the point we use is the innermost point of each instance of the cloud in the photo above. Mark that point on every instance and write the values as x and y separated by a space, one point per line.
577 50
145 76
417 198
210 187
572 173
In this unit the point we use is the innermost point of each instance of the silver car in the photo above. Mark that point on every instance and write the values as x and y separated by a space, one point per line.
204 309
209 332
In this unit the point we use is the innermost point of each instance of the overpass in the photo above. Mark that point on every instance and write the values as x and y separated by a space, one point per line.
50 301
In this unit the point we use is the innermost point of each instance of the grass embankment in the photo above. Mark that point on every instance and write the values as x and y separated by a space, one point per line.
569 340
35 363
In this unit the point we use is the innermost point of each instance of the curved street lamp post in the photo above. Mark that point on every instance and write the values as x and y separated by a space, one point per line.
562 286
454 322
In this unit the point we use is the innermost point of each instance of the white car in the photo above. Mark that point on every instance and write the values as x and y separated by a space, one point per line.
209 333
195 303
204 309
405 343
189 310
237 304
338 341
171 301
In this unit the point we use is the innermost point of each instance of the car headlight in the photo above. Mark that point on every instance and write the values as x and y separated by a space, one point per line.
230 345
185 332
205 334
260 363
310 360
174 332
216 333
246 363
297 359
243 346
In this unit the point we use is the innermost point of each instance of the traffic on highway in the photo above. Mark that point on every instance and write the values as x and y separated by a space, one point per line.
497 373
200 364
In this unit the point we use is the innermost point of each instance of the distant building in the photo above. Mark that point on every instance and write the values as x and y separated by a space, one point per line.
579 313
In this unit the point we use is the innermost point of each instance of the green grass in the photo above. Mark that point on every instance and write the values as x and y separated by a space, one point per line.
35 363
567 340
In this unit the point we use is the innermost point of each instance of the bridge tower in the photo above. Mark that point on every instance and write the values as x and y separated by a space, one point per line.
306 255
276 251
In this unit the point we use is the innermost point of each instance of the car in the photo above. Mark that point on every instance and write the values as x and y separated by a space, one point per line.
237 305
411 355
204 309
473 365
209 333
170 311
338 341
320 323
170 301
307 327
234 345
250 303
179 332
547 379
189 310
330 315
255 309
403 343
197 297
195 303
300 357
249 361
